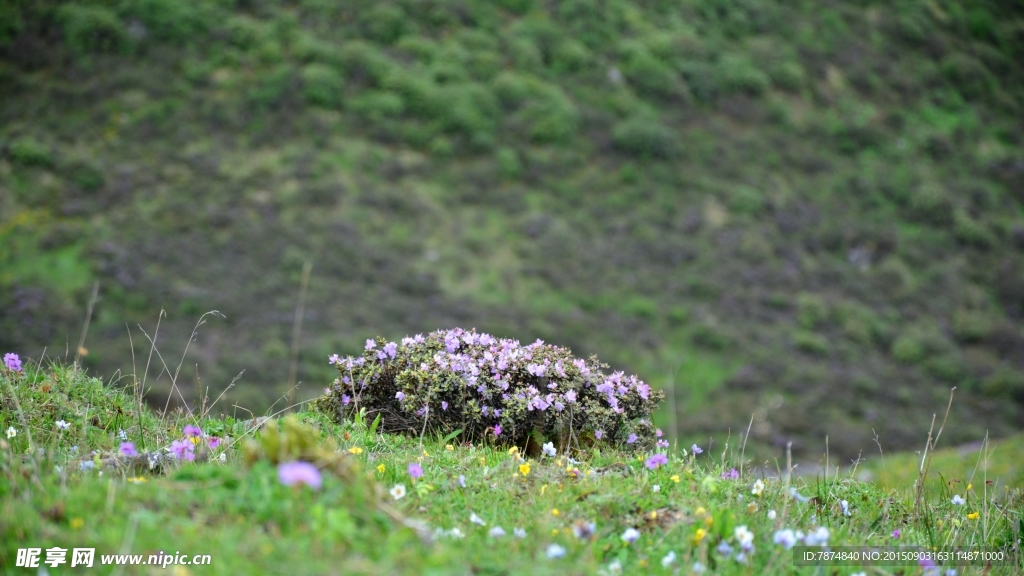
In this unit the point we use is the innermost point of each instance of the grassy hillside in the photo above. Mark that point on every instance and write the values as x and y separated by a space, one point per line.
68 480
809 212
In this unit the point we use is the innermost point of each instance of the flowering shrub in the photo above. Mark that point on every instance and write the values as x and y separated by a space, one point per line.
489 387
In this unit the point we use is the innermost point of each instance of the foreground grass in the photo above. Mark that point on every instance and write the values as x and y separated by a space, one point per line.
57 491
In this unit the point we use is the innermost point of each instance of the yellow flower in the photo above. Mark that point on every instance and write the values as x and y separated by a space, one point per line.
524 468
137 479
709 521
699 535
355 450
426 454
543 489
381 468
674 478
513 450
450 448
972 516
483 461
654 514
554 532
969 486
700 512
76 523
555 512
194 440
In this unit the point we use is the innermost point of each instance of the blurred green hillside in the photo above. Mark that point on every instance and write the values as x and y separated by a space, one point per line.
809 211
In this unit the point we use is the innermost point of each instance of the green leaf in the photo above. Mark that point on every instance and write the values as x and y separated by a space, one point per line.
449 437
376 422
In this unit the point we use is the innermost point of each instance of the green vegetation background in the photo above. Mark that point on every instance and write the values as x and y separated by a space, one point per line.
809 212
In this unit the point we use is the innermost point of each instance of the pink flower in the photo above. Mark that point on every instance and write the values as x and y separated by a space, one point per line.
12 361
497 429
656 460
598 434
896 533
295 473
415 470
731 474
213 442
192 431
128 450
182 450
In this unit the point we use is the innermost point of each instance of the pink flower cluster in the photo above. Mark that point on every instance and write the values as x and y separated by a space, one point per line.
493 383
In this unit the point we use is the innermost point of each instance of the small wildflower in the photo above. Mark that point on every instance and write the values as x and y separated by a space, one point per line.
731 474
631 439
724 548
415 470
191 431
668 559
524 468
698 568
137 479
381 468
818 537
355 450
656 460
696 449
462 480
76 523
476 519
11 432
370 344
555 512
183 450
758 488
969 486
958 500
449 447
12 361
752 507
213 442
771 514
785 538
496 532
62 425
972 516
584 530
399 395
497 430
656 488
397 491
295 473
598 434
615 567
845 506
128 450
444 405
658 433
223 457
744 536
549 449
122 435
519 533
896 533
674 478
630 535
698 536
555 551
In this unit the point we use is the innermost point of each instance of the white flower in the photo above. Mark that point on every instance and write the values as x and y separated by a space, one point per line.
771 514
549 449
656 488
555 551
583 530
456 533
785 538
668 559
698 568
476 519
615 567
398 491
519 533
223 456
956 497
744 536
496 532
758 488
462 480
630 535
11 432
123 435
62 425
818 537
845 506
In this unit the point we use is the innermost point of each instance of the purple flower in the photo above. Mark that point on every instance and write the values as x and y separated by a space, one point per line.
462 480
896 533
128 450
400 395
631 439
334 359
295 473
12 361
192 431
656 460
696 449
391 349
444 405
731 474
183 450
659 433
345 398
415 470
662 443
598 434
370 344
213 442
497 429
